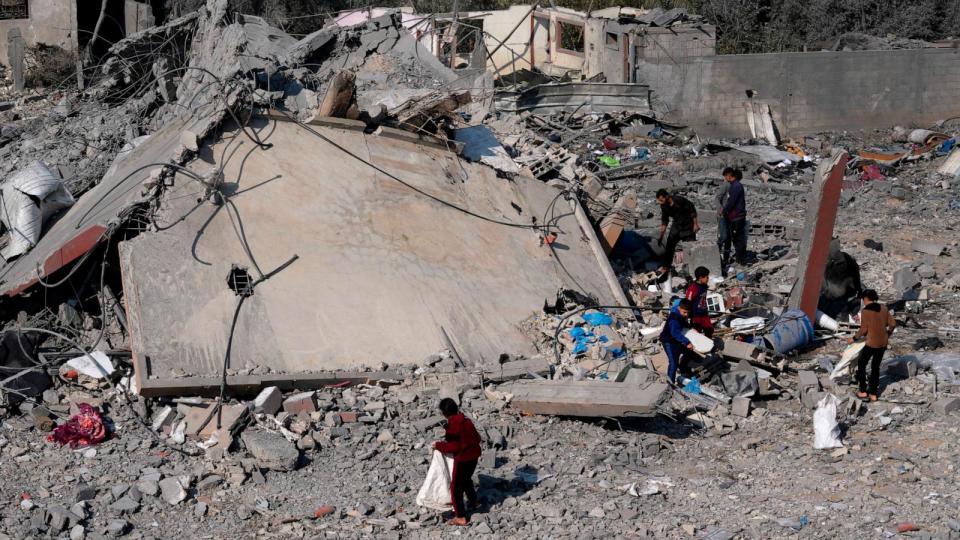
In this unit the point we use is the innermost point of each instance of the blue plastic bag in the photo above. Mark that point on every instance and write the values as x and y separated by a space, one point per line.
692 386
597 319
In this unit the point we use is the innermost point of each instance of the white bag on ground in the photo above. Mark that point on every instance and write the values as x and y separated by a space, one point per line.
826 430
435 491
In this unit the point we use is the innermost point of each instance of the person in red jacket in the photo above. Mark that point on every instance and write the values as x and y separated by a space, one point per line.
462 440
697 295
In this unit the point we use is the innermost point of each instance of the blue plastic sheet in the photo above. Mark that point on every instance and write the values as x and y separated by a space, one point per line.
578 332
597 319
692 386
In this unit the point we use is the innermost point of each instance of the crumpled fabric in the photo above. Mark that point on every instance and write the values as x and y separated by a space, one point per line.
85 428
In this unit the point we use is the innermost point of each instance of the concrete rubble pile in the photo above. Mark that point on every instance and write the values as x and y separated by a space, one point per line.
248 265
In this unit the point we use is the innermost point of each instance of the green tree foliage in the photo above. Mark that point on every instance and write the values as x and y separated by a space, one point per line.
743 26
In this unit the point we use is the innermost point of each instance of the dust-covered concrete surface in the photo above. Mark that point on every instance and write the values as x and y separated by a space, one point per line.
92 446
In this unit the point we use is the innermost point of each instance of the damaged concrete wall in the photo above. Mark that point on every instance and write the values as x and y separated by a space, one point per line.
52 22
383 273
807 91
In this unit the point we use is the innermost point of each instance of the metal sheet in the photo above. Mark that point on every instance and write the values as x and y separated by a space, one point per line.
583 97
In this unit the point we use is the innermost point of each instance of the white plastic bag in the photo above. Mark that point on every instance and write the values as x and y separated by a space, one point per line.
848 362
826 430
435 491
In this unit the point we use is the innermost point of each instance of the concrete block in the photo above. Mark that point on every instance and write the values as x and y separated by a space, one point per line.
946 405
810 398
427 423
164 418
703 254
905 279
740 407
302 403
613 341
929 247
268 401
809 379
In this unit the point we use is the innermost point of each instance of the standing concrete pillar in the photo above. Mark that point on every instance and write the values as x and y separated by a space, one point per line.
15 52
818 232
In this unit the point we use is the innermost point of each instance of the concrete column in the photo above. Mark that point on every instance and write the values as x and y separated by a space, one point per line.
818 232
15 51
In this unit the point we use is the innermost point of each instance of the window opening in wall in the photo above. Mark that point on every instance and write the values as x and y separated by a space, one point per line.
612 41
570 36
14 9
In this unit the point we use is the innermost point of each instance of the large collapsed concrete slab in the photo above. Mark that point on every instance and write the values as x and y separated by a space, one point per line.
384 274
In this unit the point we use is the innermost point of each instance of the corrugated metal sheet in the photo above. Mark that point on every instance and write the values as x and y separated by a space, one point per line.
584 97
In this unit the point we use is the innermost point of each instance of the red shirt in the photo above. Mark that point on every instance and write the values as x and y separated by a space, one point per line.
461 439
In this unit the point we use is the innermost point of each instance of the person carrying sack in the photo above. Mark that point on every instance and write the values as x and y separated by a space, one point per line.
463 442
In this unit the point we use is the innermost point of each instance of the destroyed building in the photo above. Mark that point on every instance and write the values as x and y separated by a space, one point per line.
241 268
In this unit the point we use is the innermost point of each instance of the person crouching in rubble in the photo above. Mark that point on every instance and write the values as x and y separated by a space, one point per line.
697 295
462 440
672 339
876 324
681 215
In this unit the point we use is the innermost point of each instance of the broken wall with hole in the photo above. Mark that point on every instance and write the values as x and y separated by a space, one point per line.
807 92
51 22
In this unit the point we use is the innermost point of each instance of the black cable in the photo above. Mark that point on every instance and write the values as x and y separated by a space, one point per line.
233 327
408 185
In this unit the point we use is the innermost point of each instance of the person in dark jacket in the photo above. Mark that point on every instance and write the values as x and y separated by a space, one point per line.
672 339
463 442
876 324
681 215
697 295
732 211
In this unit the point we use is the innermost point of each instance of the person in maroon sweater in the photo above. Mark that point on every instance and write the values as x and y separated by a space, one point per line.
462 440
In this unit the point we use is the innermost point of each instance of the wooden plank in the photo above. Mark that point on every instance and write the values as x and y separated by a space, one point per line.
589 398
611 227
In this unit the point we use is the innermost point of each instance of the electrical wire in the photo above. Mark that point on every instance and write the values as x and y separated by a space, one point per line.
405 183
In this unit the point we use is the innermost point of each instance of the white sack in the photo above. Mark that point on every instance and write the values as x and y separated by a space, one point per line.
826 430
848 362
30 196
435 491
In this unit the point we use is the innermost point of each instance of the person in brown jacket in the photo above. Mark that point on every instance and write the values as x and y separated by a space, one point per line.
876 324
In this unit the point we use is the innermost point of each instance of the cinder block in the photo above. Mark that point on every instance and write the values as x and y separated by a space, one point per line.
740 407
703 254
302 403
809 379
946 405
268 401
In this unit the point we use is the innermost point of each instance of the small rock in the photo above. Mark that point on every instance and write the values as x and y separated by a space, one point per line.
271 450
125 505
483 528
172 491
